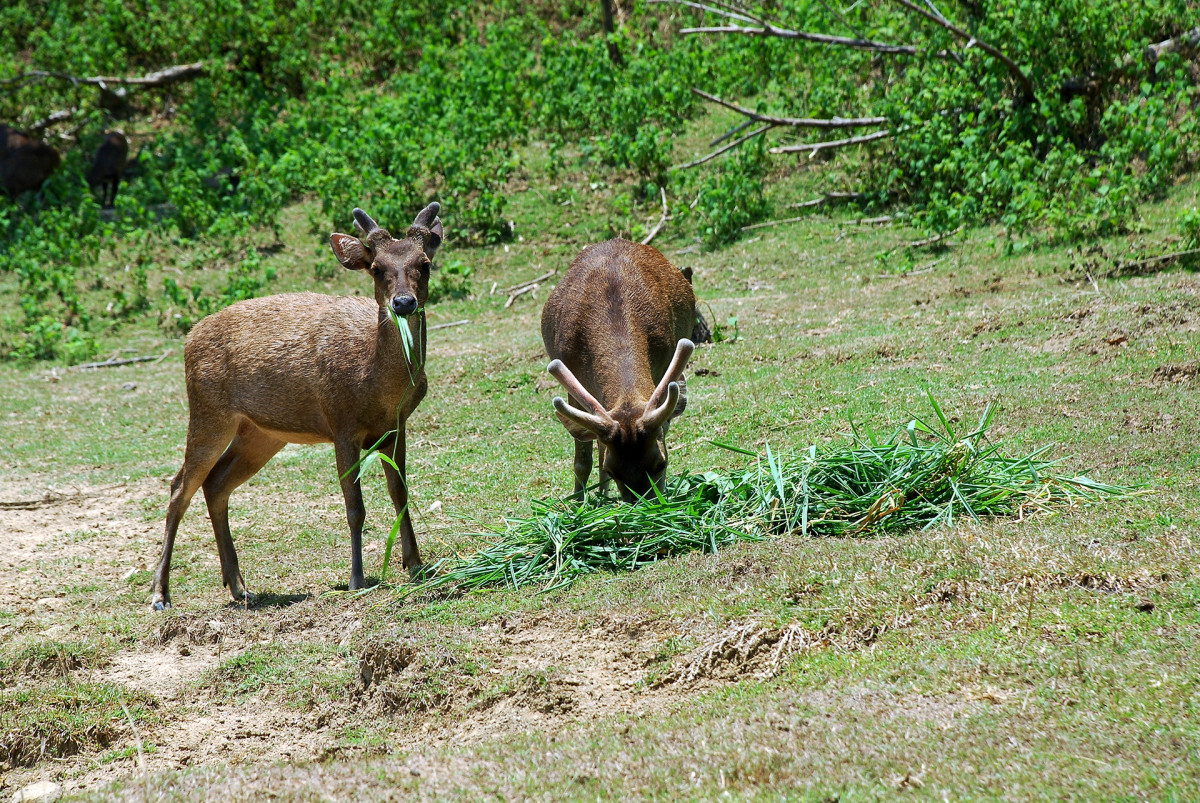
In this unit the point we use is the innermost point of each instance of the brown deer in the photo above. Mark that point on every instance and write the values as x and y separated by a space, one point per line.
108 165
616 327
308 368
25 163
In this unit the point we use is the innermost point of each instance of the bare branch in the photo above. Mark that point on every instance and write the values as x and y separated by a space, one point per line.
463 322
730 12
539 279
1013 68
735 130
60 116
1185 41
110 363
728 147
665 217
796 122
821 38
828 197
166 77
813 147
937 238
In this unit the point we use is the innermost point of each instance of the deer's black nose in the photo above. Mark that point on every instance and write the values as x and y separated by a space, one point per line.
404 305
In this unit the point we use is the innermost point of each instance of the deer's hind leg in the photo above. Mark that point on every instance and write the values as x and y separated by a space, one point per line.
205 439
250 450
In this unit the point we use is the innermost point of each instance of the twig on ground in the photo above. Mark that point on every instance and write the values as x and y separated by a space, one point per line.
795 122
665 217
463 322
826 198
814 147
538 280
937 238
730 146
532 288
110 363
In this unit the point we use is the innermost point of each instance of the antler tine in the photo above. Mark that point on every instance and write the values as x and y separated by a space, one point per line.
655 417
573 386
364 221
683 353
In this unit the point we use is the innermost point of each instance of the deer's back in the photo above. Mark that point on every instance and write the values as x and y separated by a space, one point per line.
293 363
620 304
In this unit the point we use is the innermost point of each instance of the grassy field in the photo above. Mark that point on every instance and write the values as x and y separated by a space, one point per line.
1049 658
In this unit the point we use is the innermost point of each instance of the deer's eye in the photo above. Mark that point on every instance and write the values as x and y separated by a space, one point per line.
425 266
376 272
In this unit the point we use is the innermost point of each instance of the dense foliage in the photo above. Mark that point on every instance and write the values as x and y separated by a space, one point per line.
390 104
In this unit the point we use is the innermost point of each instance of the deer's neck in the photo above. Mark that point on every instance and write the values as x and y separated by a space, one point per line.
405 356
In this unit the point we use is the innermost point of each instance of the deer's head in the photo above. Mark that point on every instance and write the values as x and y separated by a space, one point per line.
400 267
633 436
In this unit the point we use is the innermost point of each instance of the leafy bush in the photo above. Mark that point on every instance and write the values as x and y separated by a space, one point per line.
733 197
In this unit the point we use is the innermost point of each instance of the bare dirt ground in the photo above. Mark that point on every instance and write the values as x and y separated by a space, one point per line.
539 672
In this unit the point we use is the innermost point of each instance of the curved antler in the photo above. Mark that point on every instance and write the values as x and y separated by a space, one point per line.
683 353
655 417
573 386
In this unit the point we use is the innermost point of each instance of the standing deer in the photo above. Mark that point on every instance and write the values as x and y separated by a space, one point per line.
108 165
308 368
25 163
616 328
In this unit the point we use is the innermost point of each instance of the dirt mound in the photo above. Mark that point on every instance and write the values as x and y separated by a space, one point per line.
1176 372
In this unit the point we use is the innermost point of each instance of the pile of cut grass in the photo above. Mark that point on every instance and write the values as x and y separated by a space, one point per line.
919 477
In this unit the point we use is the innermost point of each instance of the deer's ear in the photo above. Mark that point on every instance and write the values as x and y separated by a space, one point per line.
434 241
350 252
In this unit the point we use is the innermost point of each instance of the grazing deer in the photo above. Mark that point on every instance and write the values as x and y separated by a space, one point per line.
25 163
616 327
308 368
108 166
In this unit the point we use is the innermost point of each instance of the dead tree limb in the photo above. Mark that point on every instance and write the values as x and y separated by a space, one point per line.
994 52
665 217
828 197
522 285
128 361
165 77
60 116
737 129
607 14
1183 42
770 29
463 322
794 122
728 147
813 147
937 238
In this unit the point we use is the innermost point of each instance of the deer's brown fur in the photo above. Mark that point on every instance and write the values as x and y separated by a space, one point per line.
307 368
108 166
616 328
25 163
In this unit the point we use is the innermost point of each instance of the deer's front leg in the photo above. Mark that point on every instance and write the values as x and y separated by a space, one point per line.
583 465
356 513
397 482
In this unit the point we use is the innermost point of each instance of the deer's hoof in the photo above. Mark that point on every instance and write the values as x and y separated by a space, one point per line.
160 605
419 573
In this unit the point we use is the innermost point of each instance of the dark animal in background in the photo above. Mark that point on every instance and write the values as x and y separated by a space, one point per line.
25 163
225 181
108 166
617 329
308 368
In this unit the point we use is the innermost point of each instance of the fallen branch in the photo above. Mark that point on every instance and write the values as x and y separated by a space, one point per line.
110 363
737 129
937 238
813 147
728 147
513 295
166 77
770 29
60 116
51 498
869 221
1122 267
995 52
661 220
795 122
1185 41
826 198
463 322
538 280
